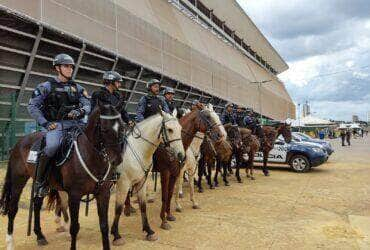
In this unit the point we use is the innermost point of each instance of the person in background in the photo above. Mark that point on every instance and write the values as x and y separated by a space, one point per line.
228 115
348 137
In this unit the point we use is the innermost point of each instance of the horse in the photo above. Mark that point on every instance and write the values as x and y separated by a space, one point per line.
191 163
141 144
206 162
252 144
270 135
88 170
235 140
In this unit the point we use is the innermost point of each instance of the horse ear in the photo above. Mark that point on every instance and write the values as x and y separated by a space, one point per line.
174 113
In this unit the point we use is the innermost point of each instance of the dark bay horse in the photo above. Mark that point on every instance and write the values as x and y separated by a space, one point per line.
252 145
271 133
235 140
96 150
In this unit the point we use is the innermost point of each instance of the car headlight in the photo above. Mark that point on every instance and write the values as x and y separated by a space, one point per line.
317 150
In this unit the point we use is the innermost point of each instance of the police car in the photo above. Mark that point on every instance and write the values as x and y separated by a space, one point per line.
301 156
298 136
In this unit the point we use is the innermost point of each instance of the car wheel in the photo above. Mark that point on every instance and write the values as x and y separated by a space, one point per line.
300 163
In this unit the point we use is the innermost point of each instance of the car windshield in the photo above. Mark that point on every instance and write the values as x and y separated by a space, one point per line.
302 135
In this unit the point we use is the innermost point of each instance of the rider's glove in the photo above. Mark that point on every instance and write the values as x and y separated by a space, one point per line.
76 113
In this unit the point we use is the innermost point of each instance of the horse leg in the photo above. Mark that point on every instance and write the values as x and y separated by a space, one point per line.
224 174
74 209
141 195
127 209
37 205
165 176
121 194
13 187
237 172
209 176
251 165
102 203
61 209
264 168
171 187
218 168
180 192
201 172
179 183
191 179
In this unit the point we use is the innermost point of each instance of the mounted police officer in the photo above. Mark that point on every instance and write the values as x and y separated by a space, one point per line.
56 105
152 102
109 94
168 94
228 115
239 116
251 122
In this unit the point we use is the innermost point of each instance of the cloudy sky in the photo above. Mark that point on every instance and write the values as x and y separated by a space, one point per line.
327 46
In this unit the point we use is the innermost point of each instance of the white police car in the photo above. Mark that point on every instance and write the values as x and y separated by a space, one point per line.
301 156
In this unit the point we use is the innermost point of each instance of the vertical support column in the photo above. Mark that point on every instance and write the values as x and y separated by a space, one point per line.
186 97
82 51
29 67
134 86
114 64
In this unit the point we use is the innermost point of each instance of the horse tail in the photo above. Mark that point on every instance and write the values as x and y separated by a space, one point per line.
6 193
53 199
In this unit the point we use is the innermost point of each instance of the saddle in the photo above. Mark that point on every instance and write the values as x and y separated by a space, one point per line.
64 151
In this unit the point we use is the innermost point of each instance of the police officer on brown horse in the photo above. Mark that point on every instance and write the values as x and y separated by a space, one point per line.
151 103
110 94
56 105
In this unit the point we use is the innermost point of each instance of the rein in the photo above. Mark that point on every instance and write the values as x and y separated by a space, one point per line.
102 152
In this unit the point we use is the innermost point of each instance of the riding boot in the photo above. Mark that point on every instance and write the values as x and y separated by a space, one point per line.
41 187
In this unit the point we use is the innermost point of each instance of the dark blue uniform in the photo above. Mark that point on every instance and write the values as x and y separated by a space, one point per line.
149 105
51 102
105 97
228 117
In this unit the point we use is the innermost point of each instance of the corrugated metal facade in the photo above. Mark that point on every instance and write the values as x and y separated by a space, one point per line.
156 35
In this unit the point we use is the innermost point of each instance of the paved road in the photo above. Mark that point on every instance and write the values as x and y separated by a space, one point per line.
327 208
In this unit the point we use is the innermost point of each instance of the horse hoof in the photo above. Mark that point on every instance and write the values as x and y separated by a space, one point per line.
216 184
201 190
178 209
212 187
266 173
181 195
42 242
165 226
252 178
61 229
118 242
152 237
227 184
240 181
171 217
127 212
151 200
196 206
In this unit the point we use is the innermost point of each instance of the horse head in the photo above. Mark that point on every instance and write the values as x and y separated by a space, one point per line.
234 136
171 134
284 129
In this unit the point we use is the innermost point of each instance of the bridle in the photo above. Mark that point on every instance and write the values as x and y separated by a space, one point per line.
102 151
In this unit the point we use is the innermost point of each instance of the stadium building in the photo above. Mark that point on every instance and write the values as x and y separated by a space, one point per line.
208 50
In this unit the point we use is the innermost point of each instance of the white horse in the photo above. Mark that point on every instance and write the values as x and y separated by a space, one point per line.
191 162
137 163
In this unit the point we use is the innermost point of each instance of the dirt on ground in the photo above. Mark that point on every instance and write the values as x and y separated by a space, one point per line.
328 208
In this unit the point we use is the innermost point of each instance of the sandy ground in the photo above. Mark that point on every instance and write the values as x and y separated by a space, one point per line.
327 208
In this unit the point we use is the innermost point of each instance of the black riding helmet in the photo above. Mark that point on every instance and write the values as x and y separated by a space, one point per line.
111 77
63 59
168 90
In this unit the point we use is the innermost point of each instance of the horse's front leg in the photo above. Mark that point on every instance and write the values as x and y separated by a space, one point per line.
238 161
251 165
141 195
209 174
171 187
179 183
102 203
264 168
225 167
218 169
61 209
41 241
191 180
201 172
165 177
74 209
123 186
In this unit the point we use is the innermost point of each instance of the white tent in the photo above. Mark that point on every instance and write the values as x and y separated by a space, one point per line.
355 126
309 121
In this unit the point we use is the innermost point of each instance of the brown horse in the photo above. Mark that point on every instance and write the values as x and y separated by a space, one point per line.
270 134
96 150
235 140
198 120
252 144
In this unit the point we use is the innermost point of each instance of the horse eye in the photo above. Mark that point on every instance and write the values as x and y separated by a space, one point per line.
170 130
